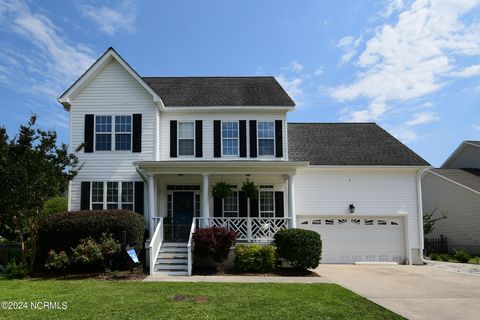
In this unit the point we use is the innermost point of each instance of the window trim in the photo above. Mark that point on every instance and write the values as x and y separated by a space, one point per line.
259 203
238 138
112 132
178 139
105 202
258 140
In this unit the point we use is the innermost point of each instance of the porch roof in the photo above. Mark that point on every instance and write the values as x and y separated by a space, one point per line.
219 167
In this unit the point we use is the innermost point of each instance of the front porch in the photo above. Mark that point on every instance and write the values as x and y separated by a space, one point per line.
180 201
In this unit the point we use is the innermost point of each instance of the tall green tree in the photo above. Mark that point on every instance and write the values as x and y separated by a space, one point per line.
32 169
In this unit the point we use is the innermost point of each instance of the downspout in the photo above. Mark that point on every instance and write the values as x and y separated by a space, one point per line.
420 175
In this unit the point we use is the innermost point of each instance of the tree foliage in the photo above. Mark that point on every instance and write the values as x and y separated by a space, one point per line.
32 169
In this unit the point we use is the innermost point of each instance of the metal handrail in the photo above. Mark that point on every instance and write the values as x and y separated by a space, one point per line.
155 243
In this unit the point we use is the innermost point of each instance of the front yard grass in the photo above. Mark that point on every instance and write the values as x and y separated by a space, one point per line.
100 299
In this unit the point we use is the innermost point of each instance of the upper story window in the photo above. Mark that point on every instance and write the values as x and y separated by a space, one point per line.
266 138
230 138
186 138
119 135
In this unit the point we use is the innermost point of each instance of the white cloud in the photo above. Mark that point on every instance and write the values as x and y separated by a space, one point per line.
392 7
318 72
470 71
112 19
50 63
422 118
294 66
404 134
292 86
412 57
349 47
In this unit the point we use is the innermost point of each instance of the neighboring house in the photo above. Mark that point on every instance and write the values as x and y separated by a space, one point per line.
454 189
156 145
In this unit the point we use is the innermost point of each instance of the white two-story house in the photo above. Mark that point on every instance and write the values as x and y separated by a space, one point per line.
157 145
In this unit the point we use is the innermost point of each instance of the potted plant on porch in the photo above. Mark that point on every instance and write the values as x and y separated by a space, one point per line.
221 190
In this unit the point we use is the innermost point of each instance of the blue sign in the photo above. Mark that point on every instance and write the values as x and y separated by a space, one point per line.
133 255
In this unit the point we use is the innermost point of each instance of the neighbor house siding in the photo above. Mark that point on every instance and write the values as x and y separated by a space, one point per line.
469 157
207 119
112 92
373 193
462 206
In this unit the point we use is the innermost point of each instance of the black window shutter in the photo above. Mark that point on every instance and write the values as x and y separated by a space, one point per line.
85 196
217 207
253 138
278 139
279 204
139 198
173 138
198 138
253 208
242 204
137 133
216 139
243 138
88 133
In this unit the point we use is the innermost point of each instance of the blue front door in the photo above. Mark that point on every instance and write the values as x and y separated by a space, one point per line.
183 211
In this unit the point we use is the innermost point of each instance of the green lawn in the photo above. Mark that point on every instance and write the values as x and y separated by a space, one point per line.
100 299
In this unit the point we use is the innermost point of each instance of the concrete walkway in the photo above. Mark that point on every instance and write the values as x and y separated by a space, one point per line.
415 292
472 269
245 279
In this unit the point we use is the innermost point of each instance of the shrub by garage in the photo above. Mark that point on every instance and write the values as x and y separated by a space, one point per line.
63 231
302 248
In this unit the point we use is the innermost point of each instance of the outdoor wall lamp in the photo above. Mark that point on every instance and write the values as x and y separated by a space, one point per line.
351 207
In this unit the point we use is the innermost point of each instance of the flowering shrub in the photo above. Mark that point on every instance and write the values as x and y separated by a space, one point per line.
87 253
110 248
57 261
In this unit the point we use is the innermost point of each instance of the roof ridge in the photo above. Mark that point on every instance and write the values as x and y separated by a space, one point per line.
331 122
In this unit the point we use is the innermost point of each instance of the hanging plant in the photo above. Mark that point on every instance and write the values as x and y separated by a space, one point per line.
250 189
221 190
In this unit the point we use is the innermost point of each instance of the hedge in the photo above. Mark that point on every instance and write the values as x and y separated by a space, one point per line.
63 231
303 248
255 258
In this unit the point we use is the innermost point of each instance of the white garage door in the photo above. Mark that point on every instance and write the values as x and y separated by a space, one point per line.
350 240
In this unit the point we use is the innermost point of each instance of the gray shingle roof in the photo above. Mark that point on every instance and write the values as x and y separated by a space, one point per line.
219 91
468 177
348 144
474 142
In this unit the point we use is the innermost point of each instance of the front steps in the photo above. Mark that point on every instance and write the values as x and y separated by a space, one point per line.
172 259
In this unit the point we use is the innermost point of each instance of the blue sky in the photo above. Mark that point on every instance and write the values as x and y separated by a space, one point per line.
411 66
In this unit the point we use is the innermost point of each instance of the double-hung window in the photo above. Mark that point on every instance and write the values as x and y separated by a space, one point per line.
123 132
230 205
230 138
103 133
97 195
266 138
108 135
267 204
112 195
186 138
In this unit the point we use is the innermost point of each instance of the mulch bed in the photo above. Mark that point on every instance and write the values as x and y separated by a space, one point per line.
115 275
279 272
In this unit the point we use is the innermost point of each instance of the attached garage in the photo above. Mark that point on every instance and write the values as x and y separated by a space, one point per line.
348 239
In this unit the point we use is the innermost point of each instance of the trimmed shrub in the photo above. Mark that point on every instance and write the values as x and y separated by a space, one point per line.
63 231
14 270
213 242
303 248
55 205
461 256
444 257
255 258
57 261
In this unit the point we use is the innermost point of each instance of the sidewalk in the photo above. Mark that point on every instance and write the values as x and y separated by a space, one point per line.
244 279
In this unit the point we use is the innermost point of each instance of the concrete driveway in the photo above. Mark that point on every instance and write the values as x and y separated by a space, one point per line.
415 292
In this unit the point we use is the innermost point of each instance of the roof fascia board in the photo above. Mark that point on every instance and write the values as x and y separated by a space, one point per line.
97 66
177 109
454 182
367 167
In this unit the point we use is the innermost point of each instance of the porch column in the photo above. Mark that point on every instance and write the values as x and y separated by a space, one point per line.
205 201
151 205
291 201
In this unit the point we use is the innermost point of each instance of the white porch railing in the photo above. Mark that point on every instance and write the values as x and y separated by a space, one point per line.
247 229
190 246
155 243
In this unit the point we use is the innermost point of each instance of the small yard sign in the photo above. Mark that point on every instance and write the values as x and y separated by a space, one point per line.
133 255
